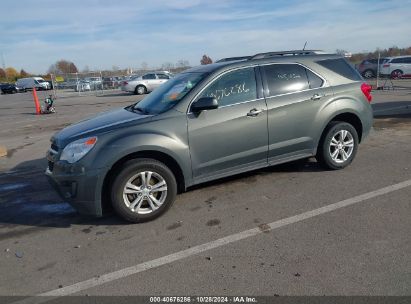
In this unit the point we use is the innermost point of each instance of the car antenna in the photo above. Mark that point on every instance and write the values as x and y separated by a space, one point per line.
305 44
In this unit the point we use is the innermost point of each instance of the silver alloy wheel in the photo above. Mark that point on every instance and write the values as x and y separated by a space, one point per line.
341 146
145 192
141 90
368 74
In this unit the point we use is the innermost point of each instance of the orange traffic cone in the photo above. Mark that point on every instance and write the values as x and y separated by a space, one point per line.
36 101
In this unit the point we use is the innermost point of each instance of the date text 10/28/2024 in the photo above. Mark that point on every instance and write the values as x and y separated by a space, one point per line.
203 299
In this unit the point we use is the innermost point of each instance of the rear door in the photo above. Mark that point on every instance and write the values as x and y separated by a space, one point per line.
162 78
294 96
399 64
232 138
150 81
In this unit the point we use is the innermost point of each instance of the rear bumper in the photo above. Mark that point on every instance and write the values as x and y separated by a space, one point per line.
80 188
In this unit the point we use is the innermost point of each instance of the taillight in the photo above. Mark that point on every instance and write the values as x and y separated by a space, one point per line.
387 65
125 83
366 89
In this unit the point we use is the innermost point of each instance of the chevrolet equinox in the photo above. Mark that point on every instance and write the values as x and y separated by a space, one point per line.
209 122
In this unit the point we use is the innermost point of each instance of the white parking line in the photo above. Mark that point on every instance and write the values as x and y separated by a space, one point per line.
119 274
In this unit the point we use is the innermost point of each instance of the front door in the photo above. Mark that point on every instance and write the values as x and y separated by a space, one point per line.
232 138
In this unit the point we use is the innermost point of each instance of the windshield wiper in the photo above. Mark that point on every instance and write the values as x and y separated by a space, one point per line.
145 112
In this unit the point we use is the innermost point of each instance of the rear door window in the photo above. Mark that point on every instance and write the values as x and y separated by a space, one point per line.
285 78
162 76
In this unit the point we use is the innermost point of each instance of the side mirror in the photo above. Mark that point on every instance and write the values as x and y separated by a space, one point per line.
204 103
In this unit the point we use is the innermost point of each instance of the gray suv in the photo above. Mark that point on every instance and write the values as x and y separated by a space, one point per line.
210 122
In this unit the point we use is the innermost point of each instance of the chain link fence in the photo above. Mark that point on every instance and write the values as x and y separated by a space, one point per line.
86 83
97 83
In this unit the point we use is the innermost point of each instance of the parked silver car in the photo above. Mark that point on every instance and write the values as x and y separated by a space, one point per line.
210 122
145 83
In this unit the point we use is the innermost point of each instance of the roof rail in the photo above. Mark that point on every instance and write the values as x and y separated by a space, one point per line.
233 58
286 53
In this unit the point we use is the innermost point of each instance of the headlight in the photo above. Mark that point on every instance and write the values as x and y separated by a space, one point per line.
76 150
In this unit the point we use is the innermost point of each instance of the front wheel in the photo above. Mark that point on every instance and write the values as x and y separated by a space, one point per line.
140 90
143 190
338 146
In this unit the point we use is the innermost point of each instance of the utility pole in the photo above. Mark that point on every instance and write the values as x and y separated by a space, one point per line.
4 65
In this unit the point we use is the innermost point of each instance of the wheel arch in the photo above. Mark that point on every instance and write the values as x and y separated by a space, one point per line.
165 158
394 73
348 117
140 85
368 70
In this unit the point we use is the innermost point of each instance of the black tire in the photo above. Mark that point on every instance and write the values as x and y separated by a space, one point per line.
326 148
131 170
368 74
397 74
140 90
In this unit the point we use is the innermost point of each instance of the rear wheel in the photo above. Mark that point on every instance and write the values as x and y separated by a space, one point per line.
396 74
143 190
368 74
338 146
140 90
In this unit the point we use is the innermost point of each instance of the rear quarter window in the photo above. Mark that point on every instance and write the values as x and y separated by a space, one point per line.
341 67
313 80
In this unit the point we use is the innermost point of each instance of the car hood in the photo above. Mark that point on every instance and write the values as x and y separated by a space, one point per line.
98 124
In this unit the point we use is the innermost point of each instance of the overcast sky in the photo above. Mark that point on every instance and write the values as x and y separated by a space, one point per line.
102 34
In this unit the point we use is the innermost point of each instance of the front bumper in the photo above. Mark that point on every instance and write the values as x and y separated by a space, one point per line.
80 188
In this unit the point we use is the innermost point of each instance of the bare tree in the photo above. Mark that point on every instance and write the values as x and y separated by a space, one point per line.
167 66
63 67
144 66
86 69
23 73
206 60
341 52
2 73
183 63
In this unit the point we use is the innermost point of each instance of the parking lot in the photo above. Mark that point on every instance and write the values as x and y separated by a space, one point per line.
293 229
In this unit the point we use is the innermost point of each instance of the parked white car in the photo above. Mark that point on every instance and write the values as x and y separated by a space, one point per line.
33 82
146 83
396 67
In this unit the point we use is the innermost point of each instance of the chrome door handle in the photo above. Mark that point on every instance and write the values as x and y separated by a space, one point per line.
316 97
254 112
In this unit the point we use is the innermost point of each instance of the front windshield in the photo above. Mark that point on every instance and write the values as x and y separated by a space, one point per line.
169 94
